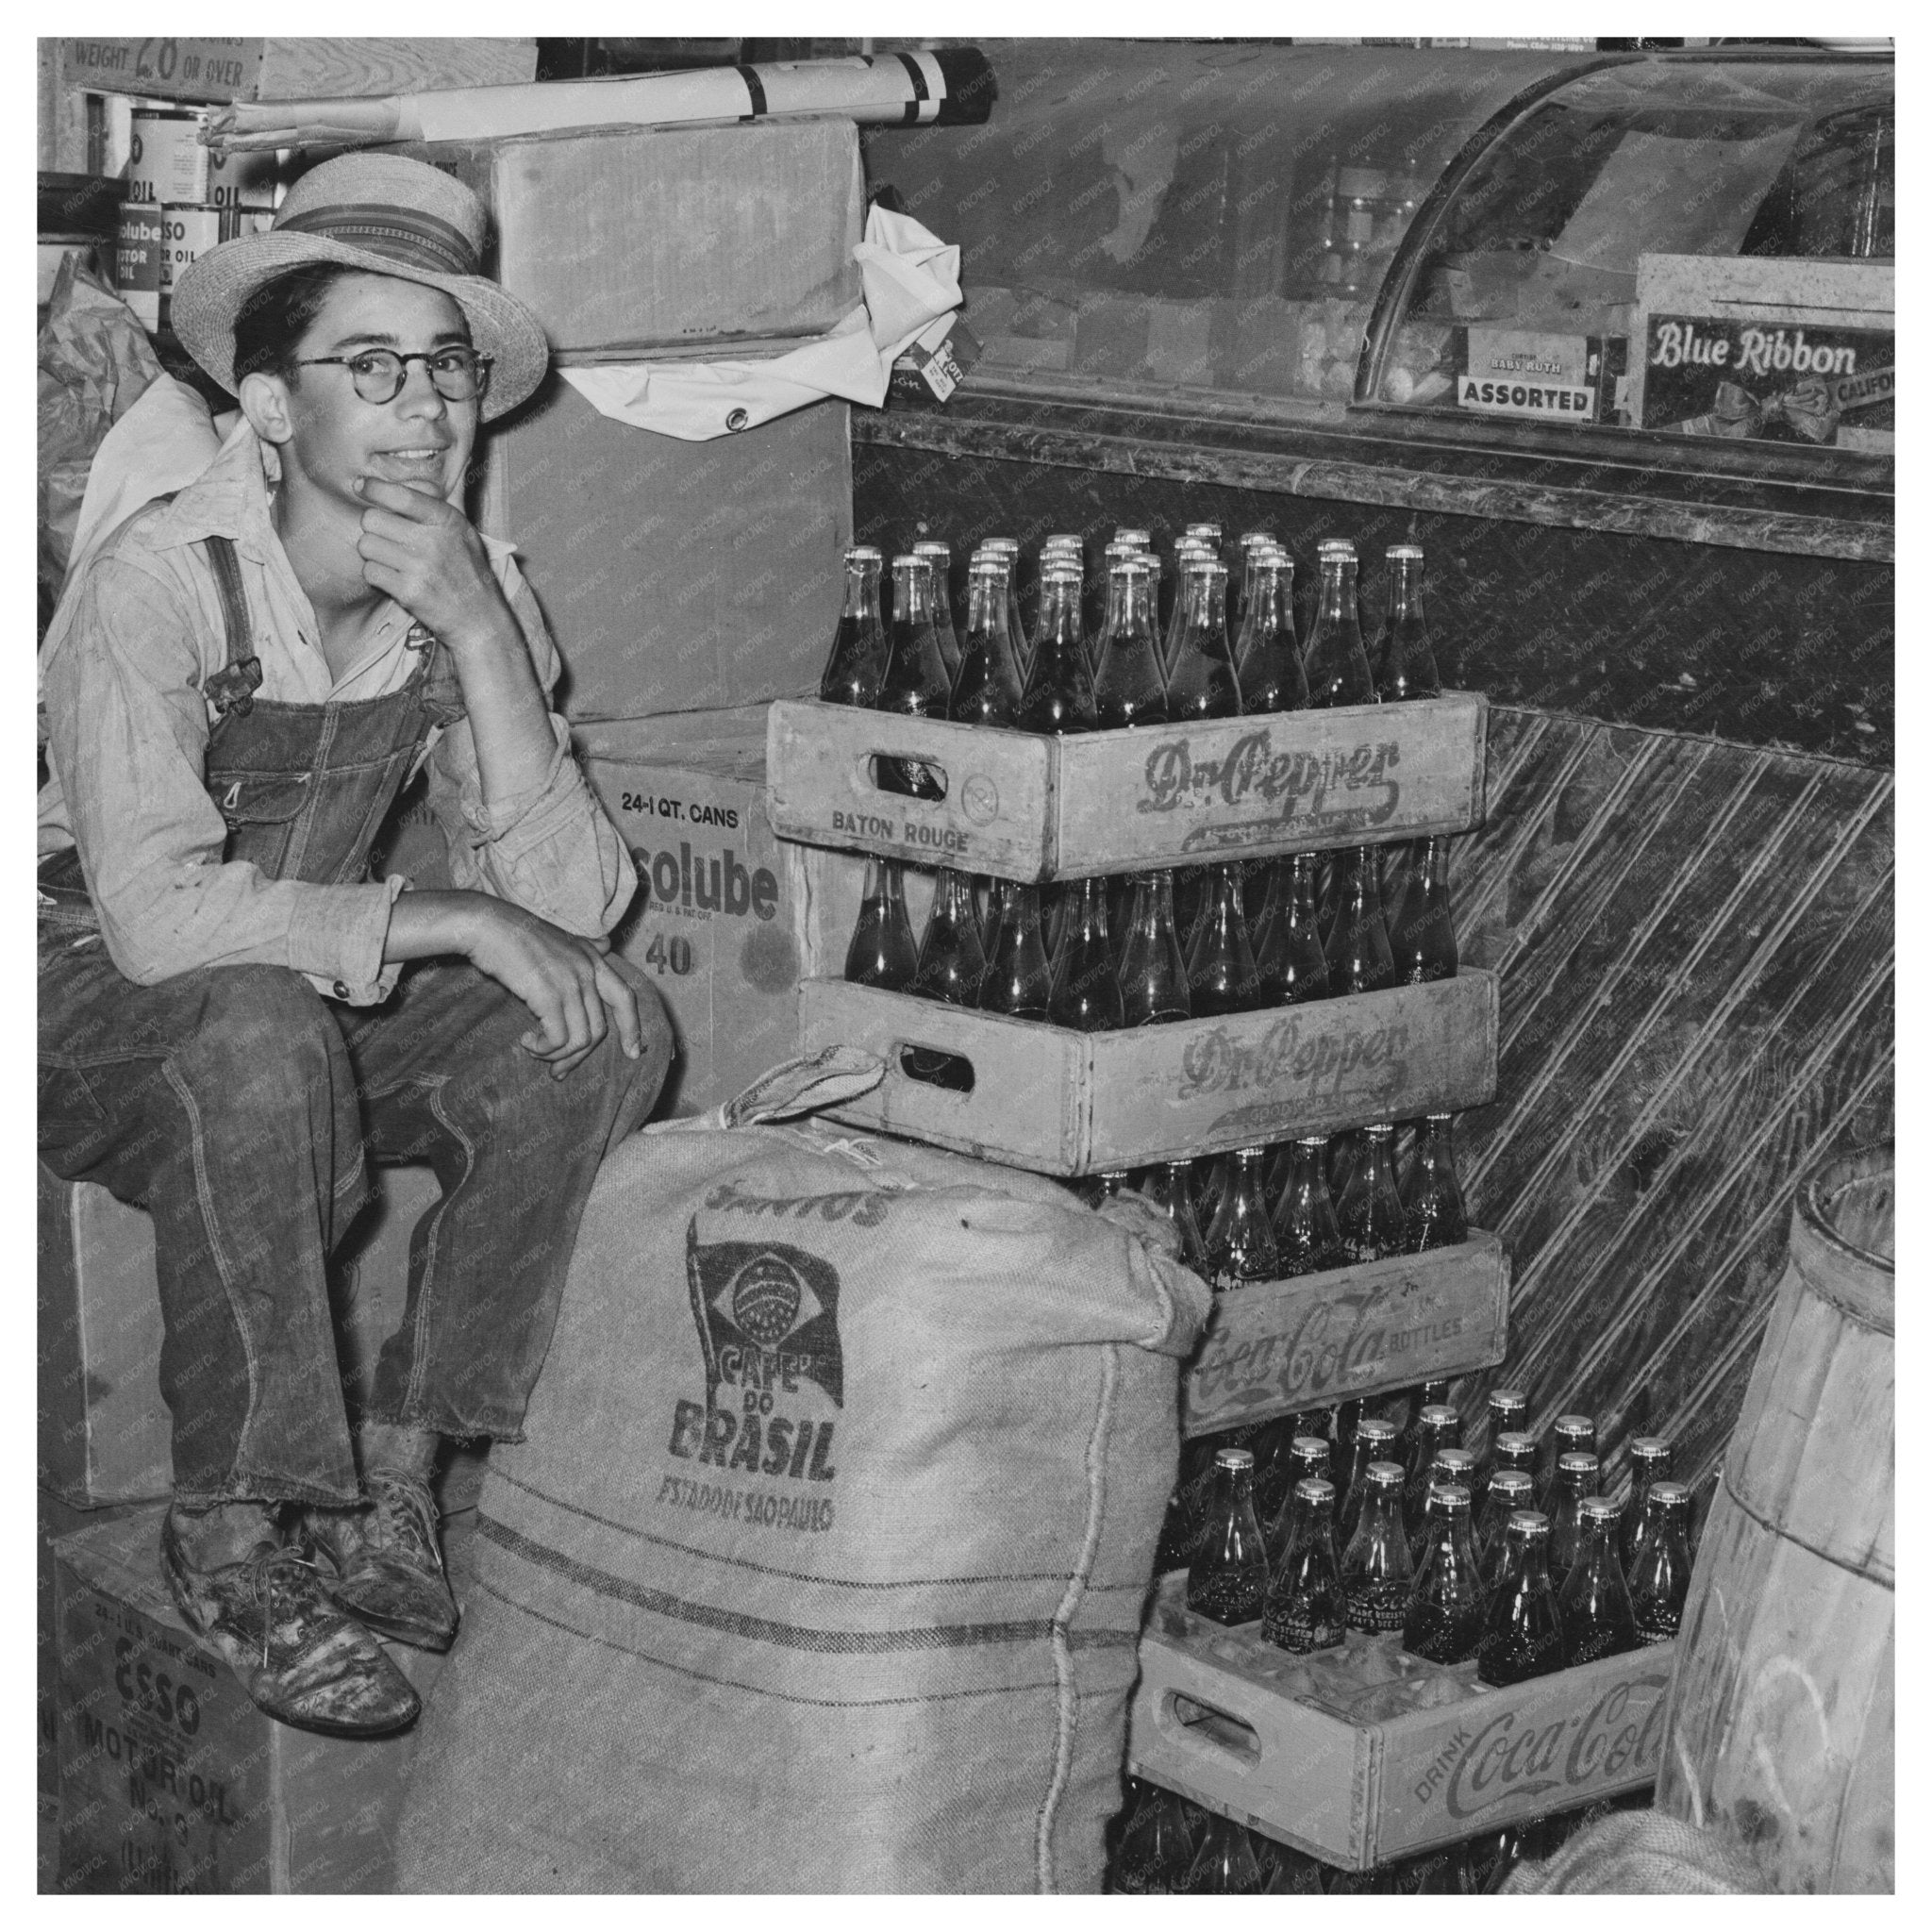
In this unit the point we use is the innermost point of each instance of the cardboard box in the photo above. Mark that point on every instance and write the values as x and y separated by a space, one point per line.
103 1432
1033 808
719 918
1539 375
1057 1101
675 576
641 241
1365 1754
1274 1347
246 68
170 1779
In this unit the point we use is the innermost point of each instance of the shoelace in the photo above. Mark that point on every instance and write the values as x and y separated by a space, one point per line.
264 1566
412 1515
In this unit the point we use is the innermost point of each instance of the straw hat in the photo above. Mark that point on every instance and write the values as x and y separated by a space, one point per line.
389 216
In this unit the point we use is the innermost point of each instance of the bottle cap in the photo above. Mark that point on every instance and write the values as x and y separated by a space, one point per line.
1599 1509
1387 1475
1311 1141
1515 1442
1249 538
1650 1449
1403 552
1005 546
911 560
1576 1425
1669 1495
1528 1522
864 552
1128 534
1452 1460
931 546
1234 1459
1576 1462
1449 1496
1209 532
1315 1488
1436 1414
1374 1428
1511 1482
1338 546
1309 1446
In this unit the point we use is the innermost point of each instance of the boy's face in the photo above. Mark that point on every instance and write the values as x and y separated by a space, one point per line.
418 438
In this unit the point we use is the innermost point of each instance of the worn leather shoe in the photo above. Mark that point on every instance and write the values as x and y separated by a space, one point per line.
296 1655
383 1564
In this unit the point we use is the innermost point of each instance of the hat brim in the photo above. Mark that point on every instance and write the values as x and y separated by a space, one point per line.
210 290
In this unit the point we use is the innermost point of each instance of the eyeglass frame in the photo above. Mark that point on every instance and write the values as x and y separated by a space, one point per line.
484 363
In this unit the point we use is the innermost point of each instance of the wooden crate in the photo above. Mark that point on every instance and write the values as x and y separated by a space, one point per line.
1274 1347
255 69
1030 808
1365 1754
1064 1103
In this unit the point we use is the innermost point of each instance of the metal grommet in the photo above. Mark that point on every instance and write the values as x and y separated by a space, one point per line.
739 419
341 990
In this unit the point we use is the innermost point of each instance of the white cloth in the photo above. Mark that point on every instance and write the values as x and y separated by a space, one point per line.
912 283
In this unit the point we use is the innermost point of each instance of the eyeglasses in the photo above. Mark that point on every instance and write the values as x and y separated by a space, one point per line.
460 373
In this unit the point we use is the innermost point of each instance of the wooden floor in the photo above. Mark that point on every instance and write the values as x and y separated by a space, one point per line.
1695 943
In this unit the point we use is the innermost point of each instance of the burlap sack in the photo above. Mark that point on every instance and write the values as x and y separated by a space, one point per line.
822 1564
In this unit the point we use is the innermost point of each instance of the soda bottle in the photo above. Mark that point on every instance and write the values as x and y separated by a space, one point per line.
1374 1442
1268 661
1307 1457
1438 1427
1201 682
1405 665
1449 1466
1240 1242
1276 1468
1524 1634
1228 1575
916 684
1154 978
952 955
1305 1609
1370 1213
1336 665
881 952
1059 692
1158 1847
1225 1862
1508 1410
1427 1395
1018 981
1594 1601
1007 549
1509 1490
1445 1620
1128 688
1347 1418
1422 936
1434 1216
1307 1239
989 687
858 659
1568 1434
1375 1570
1650 1463
1221 965
1577 1476
1659 1574
1241 583
1357 951
1208 534
1086 990
1289 965
1168 1187
1514 1449
940 558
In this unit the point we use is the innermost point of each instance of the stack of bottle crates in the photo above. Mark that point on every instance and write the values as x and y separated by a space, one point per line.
1190 931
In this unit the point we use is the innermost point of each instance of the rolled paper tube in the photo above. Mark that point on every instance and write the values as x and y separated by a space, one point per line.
952 86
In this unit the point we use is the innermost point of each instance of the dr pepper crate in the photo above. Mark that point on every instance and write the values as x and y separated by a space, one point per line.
170 1779
1274 1347
1029 807
1060 1102
1364 1754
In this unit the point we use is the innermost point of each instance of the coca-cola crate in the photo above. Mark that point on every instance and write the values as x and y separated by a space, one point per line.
1060 1102
1027 807
1273 1347
1365 1754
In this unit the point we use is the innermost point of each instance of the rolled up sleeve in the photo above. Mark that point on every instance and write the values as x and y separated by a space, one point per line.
550 849
128 739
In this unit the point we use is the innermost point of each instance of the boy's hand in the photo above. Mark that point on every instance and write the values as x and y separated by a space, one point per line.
425 554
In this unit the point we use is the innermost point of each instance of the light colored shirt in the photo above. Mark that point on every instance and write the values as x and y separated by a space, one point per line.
121 674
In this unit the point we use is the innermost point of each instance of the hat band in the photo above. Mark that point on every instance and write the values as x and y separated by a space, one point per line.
401 234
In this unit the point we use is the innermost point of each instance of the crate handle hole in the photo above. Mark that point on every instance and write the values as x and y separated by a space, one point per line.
951 1072
906 777
1219 1730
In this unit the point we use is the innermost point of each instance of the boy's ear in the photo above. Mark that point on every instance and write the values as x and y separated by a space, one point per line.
269 407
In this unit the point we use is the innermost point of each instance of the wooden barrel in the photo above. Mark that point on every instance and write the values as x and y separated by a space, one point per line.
1778 1732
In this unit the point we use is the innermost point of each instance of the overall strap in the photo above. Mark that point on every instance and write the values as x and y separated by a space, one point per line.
233 687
